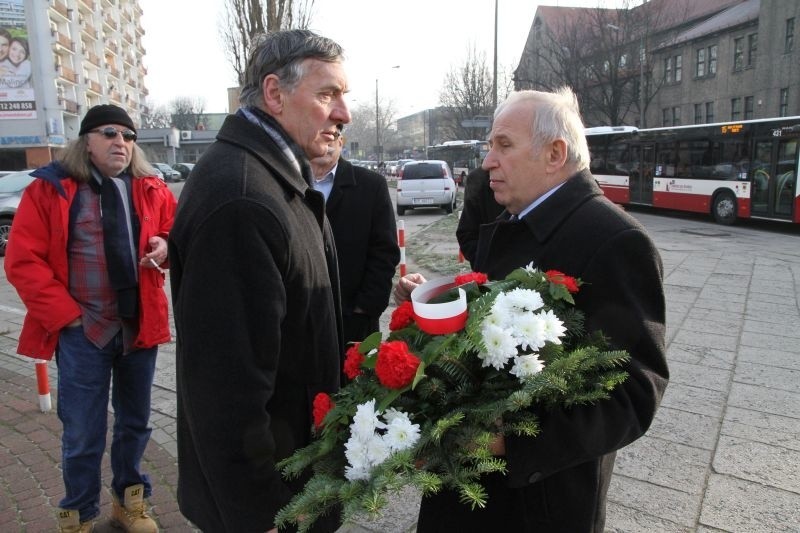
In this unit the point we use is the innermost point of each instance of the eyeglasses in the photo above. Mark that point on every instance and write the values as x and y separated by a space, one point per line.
111 133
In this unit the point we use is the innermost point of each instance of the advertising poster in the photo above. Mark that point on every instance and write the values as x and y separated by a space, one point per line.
17 99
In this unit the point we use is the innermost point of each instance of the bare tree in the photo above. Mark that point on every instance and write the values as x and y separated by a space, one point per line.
465 95
188 113
245 20
156 117
605 55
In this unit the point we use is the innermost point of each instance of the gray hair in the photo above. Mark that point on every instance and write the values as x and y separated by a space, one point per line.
77 162
282 53
556 115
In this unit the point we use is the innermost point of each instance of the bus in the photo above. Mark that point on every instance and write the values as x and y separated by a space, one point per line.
730 170
462 156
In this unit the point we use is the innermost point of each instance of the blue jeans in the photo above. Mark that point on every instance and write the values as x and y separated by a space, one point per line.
84 375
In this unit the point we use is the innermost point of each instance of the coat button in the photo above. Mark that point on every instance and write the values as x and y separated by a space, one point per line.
536 476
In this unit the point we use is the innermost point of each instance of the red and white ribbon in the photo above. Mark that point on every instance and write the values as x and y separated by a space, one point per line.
439 318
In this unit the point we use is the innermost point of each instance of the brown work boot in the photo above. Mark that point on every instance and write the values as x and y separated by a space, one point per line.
131 514
70 522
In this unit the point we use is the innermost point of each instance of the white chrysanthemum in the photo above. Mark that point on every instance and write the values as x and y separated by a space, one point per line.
529 331
500 346
355 451
553 326
365 421
353 473
526 366
391 413
526 299
401 434
502 316
377 450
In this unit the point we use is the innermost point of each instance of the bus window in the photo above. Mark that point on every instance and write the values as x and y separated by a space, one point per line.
785 180
665 160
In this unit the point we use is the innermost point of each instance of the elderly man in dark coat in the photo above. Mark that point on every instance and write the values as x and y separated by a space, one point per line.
255 288
557 218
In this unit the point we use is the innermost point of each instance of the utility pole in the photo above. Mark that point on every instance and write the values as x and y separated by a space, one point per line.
494 74
377 124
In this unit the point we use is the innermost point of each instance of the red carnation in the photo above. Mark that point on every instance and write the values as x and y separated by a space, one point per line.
352 361
396 366
322 404
559 278
402 317
478 277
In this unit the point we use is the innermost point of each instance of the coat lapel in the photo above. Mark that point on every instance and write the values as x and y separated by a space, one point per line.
342 180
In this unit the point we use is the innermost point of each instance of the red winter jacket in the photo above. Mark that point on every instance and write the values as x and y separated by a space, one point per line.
36 260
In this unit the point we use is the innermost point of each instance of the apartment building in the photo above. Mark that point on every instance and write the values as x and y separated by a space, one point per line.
81 53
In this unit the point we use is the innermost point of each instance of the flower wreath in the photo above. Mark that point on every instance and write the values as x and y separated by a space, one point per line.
466 359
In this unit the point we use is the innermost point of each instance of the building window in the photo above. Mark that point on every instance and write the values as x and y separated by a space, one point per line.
748 107
712 60
738 53
789 40
752 49
700 63
666 116
676 116
668 70
698 113
709 112
678 68
705 62
736 108
783 108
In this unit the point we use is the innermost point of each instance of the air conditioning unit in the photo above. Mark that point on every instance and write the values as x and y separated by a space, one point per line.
186 135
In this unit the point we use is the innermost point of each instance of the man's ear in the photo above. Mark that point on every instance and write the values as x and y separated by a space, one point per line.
556 155
272 94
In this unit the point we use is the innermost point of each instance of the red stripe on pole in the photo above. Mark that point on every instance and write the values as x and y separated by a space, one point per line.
401 241
42 380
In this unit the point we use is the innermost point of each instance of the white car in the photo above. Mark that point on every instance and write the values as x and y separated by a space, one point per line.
426 184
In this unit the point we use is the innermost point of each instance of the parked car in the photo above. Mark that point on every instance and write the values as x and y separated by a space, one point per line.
183 168
11 187
158 174
169 173
426 184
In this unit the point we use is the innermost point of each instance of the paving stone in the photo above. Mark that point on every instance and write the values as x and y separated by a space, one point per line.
733 504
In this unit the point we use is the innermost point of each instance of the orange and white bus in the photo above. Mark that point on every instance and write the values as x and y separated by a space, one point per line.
730 170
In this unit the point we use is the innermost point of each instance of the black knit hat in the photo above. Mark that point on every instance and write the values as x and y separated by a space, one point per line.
105 114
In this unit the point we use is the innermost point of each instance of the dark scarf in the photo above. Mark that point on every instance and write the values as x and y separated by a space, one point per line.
290 149
120 239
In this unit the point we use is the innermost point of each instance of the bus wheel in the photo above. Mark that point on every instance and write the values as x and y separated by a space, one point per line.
724 208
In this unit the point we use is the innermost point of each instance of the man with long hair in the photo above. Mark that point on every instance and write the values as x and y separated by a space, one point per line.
85 254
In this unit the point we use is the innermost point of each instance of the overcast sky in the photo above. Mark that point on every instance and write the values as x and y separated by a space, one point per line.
426 38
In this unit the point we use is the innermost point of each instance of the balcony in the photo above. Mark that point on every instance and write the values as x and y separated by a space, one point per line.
95 87
70 106
89 30
111 45
109 21
61 8
65 41
115 96
93 58
67 73
89 4
112 71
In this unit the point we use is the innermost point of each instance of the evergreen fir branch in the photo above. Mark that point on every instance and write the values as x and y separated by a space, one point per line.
473 494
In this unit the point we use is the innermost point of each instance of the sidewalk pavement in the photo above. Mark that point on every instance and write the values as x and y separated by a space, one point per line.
722 455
